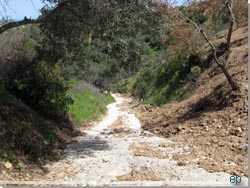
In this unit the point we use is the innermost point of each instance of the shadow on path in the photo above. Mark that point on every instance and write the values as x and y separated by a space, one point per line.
86 147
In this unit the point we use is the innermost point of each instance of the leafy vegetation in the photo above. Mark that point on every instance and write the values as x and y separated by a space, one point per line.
108 46
172 80
137 46
24 132
88 104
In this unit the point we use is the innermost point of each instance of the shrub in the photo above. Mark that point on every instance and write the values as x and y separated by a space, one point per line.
172 80
40 86
142 85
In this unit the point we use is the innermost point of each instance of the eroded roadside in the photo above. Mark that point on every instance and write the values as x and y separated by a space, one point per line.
117 152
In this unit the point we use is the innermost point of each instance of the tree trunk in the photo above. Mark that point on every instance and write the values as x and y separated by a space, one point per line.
232 83
221 65
229 5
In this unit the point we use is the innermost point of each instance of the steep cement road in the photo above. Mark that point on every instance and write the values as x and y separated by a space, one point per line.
115 151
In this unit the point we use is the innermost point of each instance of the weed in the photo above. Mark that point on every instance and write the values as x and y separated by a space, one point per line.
88 102
8 157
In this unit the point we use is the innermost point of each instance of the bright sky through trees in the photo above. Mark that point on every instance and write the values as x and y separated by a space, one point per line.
17 9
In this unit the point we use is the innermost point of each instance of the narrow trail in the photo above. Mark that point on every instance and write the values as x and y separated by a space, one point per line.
117 152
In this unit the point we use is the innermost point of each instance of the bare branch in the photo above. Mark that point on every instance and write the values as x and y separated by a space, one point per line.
203 33
26 21
220 65
229 5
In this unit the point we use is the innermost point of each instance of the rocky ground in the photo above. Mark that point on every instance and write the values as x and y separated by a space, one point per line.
116 151
212 122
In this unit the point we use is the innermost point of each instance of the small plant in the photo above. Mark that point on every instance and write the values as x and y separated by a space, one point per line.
7 157
47 133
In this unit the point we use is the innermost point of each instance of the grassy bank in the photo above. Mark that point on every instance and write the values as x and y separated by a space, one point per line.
88 103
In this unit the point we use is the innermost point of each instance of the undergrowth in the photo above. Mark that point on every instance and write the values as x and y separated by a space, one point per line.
172 80
23 132
88 103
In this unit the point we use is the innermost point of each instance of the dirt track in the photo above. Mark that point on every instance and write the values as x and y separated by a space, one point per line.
117 152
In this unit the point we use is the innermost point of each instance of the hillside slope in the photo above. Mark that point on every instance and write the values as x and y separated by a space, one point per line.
213 121
27 139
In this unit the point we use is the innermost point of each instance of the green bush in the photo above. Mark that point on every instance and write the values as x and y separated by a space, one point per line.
40 86
142 85
172 80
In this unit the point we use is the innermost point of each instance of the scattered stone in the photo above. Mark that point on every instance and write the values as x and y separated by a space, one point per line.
239 129
243 147
8 165
179 128
208 143
221 144
97 137
206 128
181 163
163 145
105 160
236 131
203 124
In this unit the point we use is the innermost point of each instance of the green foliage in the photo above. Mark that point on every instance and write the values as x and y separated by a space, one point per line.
30 47
112 48
172 80
198 18
8 157
24 131
211 23
88 103
143 84
40 86
15 129
47 132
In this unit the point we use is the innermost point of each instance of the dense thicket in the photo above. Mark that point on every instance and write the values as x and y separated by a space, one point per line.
105 42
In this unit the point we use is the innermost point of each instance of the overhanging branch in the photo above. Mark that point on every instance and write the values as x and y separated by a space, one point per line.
26 21
11 25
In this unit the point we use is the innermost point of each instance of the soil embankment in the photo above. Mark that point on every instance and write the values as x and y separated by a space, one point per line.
214 120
